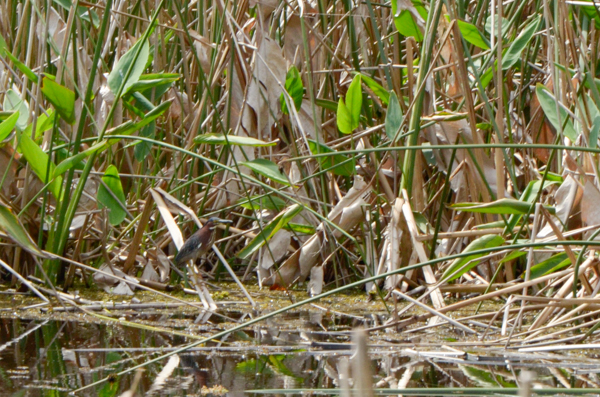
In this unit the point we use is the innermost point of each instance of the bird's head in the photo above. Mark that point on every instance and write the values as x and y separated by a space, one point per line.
213 221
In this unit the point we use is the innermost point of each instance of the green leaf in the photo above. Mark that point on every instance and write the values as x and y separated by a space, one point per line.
592 13
294 87
487 76
150 81
39 162
472 35
326 104
277 363
485 378
493 29
344 120
13 102
130 127
7 125
548 103
116 78
219 139
550 265
72 161
529 195
61 97
514 52
301 228
142 148
269 230
502 206
45 122
488 241
3 45
259 203
381 92
593 141
115 201
22 67
513 255
405 23
84 13
393 117
11 226
267 169
346 167
354 100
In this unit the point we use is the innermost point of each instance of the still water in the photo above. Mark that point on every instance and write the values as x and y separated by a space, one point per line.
301 350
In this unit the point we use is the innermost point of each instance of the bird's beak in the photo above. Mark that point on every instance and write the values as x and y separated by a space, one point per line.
223 221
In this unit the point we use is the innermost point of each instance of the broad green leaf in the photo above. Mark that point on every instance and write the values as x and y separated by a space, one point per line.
61 97
354 100
344 120
259 203
45 122
381 92
219 139
115 201
294 87
548 103
85 13
269 230
116 78
550 265
346 167
405 23
142 148
502 206
514 52
22 67
460 267
11 226
141 104
493 29
267 169
393 117
39 162
472 35
13 102
592 13
7 125
593 141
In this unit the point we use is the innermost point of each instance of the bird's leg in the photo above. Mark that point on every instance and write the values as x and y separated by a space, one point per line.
200 286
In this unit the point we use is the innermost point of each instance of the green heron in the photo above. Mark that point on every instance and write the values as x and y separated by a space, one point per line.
200 242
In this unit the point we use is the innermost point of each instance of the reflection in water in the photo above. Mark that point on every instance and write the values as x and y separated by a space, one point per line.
301 350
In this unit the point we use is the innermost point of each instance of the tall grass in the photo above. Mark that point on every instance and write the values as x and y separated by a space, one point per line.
387 138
